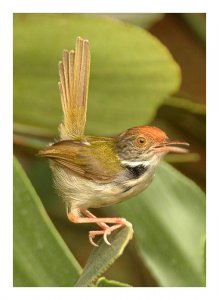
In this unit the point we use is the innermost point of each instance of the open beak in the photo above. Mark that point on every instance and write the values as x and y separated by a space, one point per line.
172 146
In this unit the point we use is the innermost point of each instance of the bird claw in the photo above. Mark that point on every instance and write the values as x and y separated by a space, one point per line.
92 242
104 233
107 232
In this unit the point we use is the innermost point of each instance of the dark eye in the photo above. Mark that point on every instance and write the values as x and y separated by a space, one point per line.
140 141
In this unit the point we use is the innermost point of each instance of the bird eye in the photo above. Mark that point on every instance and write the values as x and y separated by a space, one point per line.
140 141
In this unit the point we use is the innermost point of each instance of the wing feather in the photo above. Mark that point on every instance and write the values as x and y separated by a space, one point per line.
83 160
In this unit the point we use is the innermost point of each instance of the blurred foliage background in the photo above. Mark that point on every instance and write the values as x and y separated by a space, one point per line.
134 80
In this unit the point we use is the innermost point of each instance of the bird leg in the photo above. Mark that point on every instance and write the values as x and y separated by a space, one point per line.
90 215
74 216
106 229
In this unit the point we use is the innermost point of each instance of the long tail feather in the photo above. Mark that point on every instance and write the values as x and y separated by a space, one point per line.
74 73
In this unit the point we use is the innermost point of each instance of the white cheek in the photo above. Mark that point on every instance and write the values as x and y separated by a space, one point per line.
135 163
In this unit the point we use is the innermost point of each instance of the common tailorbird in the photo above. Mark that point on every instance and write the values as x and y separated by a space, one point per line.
95 171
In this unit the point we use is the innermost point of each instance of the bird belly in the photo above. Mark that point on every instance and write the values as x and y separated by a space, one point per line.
81 193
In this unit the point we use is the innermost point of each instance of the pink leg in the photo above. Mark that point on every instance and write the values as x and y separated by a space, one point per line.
90 215
74 216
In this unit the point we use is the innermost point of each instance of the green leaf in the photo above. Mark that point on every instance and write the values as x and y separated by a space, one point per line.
103 282
131 72
145 20
204 260
169 225
41 257
197 22
103 256
186 104
187 157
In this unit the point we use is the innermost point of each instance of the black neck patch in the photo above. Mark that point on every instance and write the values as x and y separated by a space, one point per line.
137 171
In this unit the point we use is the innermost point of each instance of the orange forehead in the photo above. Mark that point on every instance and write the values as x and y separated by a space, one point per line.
149 131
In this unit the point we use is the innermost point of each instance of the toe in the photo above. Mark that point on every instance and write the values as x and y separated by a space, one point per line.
92 242
105 237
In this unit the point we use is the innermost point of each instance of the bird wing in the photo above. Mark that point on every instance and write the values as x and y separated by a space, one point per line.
74 73
94 162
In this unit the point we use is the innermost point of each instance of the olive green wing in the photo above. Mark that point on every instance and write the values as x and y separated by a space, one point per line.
94 161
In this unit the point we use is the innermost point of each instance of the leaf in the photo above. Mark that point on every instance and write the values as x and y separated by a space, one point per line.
103 256
29 142
103 282
169 223
186 104
192 123
197 22
145 20
131 72
41 257
187 157
204 260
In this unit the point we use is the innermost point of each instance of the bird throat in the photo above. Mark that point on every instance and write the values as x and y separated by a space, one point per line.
137 174
137 171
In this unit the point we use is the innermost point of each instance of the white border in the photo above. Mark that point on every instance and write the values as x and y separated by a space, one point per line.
108 6
6 130
6 10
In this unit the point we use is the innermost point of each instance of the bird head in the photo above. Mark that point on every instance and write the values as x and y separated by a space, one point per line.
145 143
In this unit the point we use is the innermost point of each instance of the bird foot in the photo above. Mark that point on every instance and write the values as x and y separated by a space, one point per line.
108 231
74 216
104 233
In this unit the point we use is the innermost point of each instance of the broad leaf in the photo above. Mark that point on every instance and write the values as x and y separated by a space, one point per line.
169 227
131 72
41 258
144 20
103 256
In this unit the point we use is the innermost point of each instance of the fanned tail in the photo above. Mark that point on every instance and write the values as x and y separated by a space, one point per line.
74 73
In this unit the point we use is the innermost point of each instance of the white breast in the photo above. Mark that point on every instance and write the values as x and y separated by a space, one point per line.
82 193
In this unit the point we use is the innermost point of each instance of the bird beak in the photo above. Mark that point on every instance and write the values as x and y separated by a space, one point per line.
172 146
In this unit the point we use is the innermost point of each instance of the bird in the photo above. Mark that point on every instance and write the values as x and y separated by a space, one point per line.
98 171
